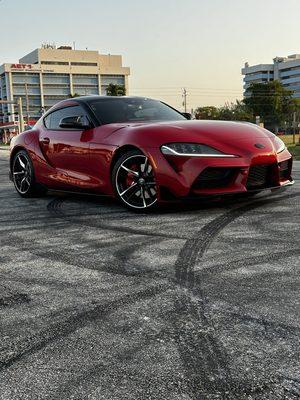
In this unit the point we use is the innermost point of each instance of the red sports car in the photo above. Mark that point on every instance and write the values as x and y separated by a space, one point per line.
144 152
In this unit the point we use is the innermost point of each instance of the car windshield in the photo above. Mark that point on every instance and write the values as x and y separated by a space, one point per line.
109 111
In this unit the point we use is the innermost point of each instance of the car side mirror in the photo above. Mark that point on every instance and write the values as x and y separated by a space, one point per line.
77 122
187 115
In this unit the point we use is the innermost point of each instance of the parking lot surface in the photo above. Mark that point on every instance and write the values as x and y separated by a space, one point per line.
189 302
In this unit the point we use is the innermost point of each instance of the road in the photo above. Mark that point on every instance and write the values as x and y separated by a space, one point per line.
194 302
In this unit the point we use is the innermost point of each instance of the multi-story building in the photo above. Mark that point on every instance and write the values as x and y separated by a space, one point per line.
48 75
284 69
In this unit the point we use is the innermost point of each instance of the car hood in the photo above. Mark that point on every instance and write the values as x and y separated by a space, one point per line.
204 129
236 137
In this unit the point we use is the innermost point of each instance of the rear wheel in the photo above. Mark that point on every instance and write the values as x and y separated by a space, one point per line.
23 176
134 181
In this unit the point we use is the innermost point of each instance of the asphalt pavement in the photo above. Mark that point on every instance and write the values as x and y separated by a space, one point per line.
189 302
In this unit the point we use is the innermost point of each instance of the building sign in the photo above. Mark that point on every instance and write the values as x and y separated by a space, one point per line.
21 66
25 67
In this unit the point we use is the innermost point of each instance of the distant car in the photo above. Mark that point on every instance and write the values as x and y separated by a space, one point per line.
144 152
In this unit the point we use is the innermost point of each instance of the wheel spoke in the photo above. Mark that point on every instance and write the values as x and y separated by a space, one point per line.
22 182
21 163
19 173
126 190
130 170
144 167
143 197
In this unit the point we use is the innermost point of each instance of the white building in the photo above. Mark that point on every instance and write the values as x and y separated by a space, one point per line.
48 75
284 69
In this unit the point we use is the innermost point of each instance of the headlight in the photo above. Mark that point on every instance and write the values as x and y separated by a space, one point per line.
279 145
192 150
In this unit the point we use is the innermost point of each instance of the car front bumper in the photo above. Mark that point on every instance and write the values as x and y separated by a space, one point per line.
179 176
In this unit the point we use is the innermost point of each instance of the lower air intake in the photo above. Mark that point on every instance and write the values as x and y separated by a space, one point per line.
212 178
285 169
259 176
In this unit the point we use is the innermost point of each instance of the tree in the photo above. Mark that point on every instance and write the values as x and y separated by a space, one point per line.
271 101
115 90
229 112
237 111
208 112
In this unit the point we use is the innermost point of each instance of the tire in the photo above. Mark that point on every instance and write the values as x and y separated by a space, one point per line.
23 177
134 182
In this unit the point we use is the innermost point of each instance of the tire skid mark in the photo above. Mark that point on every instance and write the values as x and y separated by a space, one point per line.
201 354
54 224
116 267
196 246
10 298
270 327
56 209
39 282
62 329
204 358
245 262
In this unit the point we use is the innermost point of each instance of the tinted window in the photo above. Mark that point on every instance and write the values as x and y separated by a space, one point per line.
114 110
52 120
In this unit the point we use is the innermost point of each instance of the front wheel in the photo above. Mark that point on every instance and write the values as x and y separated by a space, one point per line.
134 181
23 176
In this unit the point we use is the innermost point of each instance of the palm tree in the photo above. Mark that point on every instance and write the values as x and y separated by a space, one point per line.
71 96
115 90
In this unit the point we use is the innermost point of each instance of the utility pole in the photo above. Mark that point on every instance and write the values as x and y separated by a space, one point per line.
184 95
20 112
27 102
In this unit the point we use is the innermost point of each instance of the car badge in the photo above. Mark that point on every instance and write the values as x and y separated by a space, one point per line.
259 145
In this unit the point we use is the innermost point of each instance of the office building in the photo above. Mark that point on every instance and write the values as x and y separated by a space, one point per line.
284 69
49 74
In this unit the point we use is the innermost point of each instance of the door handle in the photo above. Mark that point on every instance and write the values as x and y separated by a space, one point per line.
45 140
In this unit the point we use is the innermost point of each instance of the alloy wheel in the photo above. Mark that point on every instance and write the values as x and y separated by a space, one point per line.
135 182
22 174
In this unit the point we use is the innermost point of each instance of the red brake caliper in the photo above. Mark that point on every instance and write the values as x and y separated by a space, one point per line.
130 177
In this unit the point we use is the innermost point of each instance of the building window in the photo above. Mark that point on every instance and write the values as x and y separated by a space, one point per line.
84 64
56 79
54 63
21 78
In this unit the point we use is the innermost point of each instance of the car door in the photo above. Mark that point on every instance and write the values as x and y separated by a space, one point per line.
67 149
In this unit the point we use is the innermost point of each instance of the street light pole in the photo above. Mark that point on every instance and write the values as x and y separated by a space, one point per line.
27 102
20 112
184 95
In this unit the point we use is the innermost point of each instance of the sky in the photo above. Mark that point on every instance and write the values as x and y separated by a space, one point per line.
168 44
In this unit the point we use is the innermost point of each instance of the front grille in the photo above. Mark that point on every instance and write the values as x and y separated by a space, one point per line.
212 178
285 169
259 176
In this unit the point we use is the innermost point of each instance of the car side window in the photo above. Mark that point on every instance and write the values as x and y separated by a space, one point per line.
52 120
